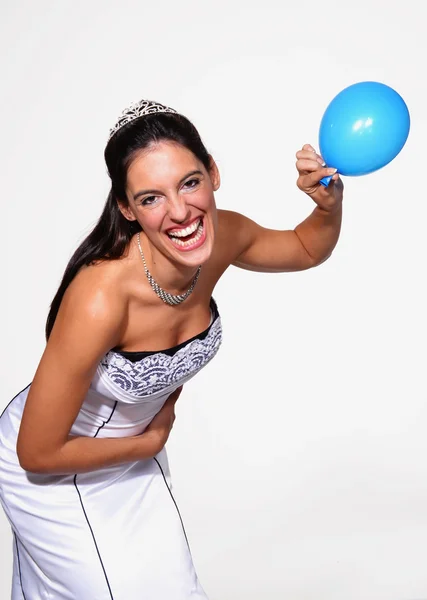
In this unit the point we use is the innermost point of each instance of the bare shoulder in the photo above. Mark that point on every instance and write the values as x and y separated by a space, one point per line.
228 218
100 286
234 234
94 308
106 277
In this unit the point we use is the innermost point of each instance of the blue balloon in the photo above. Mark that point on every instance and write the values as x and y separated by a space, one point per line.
363 128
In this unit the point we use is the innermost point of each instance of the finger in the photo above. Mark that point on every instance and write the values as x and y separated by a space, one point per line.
310 150
314 178
307 165
304 155
309 155
308 147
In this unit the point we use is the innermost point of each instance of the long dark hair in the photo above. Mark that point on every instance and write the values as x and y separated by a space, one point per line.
112 233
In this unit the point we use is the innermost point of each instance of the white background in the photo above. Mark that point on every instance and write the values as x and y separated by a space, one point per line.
299 455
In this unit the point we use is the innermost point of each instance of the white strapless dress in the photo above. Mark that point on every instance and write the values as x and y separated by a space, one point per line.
114 533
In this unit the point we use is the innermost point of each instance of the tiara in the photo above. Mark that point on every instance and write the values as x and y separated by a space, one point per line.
136 110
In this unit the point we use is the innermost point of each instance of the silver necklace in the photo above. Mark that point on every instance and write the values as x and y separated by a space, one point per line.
171 299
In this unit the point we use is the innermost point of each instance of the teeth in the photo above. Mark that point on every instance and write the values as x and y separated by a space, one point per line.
183 232
193 240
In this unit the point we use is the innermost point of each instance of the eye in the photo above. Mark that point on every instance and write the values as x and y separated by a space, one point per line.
191 183
149 201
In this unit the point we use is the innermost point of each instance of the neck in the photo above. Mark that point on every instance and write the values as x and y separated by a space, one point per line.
172 277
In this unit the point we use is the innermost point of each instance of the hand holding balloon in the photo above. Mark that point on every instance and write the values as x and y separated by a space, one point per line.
363 129
311 169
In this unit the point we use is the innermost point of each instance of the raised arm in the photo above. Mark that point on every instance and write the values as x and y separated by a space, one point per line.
89 323
257 248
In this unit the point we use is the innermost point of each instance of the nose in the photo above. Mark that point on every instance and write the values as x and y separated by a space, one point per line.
178 209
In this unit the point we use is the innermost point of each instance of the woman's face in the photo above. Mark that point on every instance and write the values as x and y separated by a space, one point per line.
171 195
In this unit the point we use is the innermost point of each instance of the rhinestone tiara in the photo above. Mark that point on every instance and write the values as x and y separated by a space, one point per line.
139 109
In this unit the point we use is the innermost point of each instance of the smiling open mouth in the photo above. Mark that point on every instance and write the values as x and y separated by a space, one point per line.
188 237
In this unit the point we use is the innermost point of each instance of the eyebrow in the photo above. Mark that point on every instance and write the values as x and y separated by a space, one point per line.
144 192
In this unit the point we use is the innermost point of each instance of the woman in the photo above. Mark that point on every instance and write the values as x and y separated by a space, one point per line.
84 479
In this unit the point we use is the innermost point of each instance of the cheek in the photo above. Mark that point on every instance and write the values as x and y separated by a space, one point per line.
151 220
206 200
